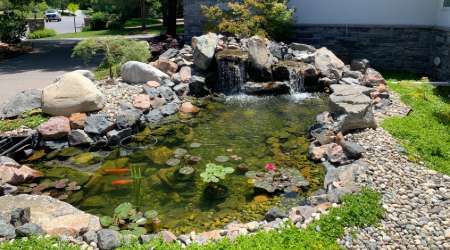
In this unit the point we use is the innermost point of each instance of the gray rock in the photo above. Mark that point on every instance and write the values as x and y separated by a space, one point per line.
29 229
22 102
269 88
259 55
86 73
147 238
302 47
167 83
154 116
222 158
56 145
350 81
352 150
329 64
278 50
90 236
116 136
197 86
169 109
78 137
7 189
204 49
128 118
6 161
275 213
360 65
169 54
167 93
353 74
98 124
137 73
306 211
20 216
108 239
181 89
7 231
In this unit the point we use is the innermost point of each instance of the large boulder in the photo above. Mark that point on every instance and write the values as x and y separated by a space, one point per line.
352 107
259 55
329 64
204 49
54 216
73 93
139 73
22 102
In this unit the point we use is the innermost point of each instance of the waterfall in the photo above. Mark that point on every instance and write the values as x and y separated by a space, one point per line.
232 74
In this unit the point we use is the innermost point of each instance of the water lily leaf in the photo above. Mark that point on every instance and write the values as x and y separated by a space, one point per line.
123 211
106 221
150 214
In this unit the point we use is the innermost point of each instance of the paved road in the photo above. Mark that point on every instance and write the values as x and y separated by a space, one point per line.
38 69
66 24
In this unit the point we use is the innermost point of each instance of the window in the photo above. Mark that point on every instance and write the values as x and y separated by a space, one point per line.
446 4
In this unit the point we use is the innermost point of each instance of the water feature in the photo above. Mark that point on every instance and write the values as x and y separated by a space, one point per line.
244 133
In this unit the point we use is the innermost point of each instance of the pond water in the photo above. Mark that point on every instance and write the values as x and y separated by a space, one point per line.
244 133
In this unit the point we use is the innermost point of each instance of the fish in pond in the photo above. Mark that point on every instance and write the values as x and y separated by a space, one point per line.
121 182
116 171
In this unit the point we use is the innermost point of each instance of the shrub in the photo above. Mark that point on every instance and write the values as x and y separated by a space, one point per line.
270 18
115 51
41 34
98 21
12 26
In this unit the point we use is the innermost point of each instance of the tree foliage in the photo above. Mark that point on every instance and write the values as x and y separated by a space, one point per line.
269 18
115 51
13 16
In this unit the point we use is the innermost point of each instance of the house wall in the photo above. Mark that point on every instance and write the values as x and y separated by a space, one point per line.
393 34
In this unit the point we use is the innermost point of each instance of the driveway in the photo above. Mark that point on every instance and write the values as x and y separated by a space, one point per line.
66 24
38 69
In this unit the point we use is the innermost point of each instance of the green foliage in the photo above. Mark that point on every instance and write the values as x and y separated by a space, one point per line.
38 243
269 18
41 34
12 26
106 221
116 51
214 173
124 211
425 133
30 120
102 20
73 8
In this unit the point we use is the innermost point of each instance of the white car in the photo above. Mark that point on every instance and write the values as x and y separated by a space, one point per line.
51 15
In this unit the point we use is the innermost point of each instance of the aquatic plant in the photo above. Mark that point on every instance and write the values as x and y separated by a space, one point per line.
214 173
271 167
136 176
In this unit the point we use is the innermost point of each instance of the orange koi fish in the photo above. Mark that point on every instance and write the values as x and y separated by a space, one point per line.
121 182
116 171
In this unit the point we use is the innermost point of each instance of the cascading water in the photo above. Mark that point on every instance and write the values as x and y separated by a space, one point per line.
232 74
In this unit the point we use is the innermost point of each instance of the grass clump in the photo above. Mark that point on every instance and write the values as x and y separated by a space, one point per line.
358 210
41 34
30 120
425 132
38 243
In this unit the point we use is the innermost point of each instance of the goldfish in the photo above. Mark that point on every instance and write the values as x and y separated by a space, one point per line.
121 182
116 171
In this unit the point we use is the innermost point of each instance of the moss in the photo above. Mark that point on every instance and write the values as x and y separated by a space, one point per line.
61 172
87 158
159 155
32 121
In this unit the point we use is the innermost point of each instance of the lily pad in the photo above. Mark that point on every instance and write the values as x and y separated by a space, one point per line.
150 214
123 211
106 221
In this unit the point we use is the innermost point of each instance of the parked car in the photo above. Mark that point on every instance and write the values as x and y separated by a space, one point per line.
51 15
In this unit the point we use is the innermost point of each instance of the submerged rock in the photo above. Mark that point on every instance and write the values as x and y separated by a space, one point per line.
285 180
268 88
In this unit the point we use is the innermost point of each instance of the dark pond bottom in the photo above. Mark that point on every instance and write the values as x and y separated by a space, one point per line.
244 133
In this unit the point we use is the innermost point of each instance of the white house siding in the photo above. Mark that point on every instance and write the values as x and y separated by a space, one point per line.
368 12
442 15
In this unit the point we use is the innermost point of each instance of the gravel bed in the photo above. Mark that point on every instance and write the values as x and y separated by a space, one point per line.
416 199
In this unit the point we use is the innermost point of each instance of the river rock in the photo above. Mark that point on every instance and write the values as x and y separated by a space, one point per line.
169 109
98 124
74 93
6 161
55 128
77 120
360 65
169 54
108 239
185 74
54 216
166 66
29 229
188 108
267 88
141 102
154 116
204 49
7 231
260 57
116 136
134 72
329 64
22 102
373 78
86 73
17 176
275 213
153 84
352 150
78 137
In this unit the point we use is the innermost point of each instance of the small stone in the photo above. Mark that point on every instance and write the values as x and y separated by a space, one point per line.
90 236
79 138
275 213
77 120
188 108
108 239
29 229
98 124
153 84
142 102
168 236
55 128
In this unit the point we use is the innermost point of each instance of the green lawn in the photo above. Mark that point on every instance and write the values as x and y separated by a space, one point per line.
358 210
155 30
425 133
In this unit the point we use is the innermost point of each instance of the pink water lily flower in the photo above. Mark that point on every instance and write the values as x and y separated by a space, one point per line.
271 167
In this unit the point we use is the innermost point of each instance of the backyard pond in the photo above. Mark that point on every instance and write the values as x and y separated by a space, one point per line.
160 168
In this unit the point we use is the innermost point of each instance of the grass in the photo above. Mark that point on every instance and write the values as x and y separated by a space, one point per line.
31 120
41 34
136 22
424 133
358 210
156 30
